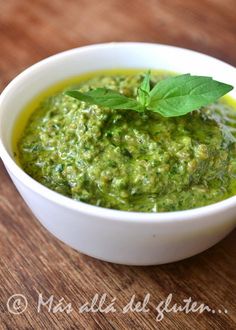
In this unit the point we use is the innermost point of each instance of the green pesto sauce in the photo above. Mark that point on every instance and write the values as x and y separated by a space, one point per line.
127 160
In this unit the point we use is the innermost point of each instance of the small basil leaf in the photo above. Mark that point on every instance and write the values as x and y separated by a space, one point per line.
144 89
107 98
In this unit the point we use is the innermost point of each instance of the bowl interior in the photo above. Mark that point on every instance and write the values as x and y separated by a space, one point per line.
99 57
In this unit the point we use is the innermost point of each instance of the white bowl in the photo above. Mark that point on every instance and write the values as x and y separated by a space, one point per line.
116 236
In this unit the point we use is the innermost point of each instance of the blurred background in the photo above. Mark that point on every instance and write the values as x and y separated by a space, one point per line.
31 30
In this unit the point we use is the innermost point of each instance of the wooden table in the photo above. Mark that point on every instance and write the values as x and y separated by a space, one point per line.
32 261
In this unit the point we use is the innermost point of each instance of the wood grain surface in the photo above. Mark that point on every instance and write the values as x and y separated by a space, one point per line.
31 260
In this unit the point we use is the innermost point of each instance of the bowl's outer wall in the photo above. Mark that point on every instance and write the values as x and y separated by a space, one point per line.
121 241
127 242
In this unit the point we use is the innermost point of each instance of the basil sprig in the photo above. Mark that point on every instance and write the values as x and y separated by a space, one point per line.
171 97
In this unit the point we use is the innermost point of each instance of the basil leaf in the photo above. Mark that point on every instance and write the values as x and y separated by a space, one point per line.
171 97
107 98
144 89
177 96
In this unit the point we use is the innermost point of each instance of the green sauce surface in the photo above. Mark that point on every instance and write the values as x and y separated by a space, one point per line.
127 160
